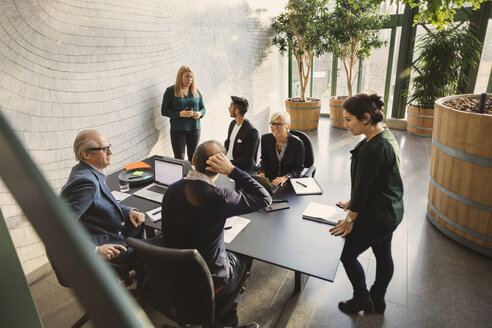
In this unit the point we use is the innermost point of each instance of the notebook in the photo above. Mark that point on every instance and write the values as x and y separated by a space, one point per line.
165 173
306 186
322 213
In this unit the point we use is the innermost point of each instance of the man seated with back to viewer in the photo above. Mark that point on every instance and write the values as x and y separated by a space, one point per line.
195 211
107 222
242 138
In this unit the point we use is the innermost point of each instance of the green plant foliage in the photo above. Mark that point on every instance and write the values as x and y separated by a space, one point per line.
302 28
437 12
354 27
442 54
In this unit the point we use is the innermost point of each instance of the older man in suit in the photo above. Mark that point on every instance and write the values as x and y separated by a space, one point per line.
107 221
242 137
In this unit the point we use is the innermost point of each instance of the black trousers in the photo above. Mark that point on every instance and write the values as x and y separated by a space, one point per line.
239 265
131 258
363 236
182 139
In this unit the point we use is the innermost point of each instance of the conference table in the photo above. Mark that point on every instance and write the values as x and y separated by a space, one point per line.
282 237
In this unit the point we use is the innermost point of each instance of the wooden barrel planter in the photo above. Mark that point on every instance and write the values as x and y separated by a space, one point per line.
304 116
460 189
420 120
336 113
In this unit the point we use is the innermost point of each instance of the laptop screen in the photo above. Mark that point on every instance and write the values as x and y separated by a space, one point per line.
167 173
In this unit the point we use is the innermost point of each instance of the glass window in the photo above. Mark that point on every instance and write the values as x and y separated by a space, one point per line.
485 63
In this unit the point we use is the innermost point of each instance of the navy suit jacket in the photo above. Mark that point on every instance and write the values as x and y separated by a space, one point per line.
292 163
245 145
94 206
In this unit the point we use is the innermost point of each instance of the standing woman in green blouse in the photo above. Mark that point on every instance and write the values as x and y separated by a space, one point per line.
375 207
183 104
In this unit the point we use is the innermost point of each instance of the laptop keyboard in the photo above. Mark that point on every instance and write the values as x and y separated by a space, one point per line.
158 189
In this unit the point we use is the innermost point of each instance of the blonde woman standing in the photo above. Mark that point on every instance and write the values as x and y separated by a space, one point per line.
183 104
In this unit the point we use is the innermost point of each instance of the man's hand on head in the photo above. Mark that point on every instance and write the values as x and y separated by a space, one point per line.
137 217
219 163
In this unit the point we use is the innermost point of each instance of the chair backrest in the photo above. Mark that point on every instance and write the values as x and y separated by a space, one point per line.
308 148
178 281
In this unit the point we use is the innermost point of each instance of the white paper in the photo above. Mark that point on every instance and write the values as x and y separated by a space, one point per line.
155 214
236 224
322 212
305 186
119 196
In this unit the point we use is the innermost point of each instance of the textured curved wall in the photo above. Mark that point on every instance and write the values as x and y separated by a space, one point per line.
68 65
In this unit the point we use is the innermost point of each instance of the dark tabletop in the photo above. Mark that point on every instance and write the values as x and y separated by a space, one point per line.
282 237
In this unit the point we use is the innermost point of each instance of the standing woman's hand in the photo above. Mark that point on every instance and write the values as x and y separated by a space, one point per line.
344 204
186 113
197 115
342 228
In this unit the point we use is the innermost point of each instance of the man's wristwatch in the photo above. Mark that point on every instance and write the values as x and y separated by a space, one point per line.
349 219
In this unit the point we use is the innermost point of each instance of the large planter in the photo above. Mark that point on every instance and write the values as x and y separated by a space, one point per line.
336 112
420 120
304 115
460 189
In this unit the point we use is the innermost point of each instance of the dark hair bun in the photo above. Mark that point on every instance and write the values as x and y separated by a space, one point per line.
377 100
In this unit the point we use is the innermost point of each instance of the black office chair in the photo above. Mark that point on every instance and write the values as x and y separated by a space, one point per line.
122 270
179 284
308 153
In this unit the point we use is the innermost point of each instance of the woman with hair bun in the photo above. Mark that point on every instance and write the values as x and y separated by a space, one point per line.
375 207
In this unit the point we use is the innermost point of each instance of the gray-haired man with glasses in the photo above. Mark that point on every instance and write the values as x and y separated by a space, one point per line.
107 221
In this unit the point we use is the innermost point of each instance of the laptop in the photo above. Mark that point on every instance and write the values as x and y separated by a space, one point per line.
265 182
165 173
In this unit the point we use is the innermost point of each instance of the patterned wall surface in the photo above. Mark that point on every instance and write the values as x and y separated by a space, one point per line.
68 65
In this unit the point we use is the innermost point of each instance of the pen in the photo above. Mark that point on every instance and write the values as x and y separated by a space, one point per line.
302 184
156 212
279 201
341 206
227 228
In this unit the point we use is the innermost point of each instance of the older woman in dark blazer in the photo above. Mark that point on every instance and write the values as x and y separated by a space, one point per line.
282 154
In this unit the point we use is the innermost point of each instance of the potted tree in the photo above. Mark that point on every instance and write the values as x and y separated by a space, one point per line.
441 55
301 29
353 27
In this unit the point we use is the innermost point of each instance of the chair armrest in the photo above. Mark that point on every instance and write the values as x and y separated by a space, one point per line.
310 172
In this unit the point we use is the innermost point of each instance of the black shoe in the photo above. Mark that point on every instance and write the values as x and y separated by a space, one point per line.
251 325
230 319
378 301
355 305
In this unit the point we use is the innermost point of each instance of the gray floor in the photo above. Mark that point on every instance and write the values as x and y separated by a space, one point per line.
437 282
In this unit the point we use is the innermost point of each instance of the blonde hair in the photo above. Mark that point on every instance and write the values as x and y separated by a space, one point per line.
284 117
178 87
83 141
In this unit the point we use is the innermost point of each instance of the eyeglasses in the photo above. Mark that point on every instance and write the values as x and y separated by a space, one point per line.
104 149
276 124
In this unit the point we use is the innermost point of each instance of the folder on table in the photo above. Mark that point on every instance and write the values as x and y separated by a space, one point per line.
306 186
322 213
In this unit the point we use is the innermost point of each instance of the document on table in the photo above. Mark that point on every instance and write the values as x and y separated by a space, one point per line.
322 213
119 196
233 226
306 186
155 214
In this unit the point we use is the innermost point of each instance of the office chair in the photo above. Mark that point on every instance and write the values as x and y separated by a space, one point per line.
179 284
308 153
122 270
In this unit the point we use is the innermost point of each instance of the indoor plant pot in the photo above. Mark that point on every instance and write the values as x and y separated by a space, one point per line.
304 115
460 189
